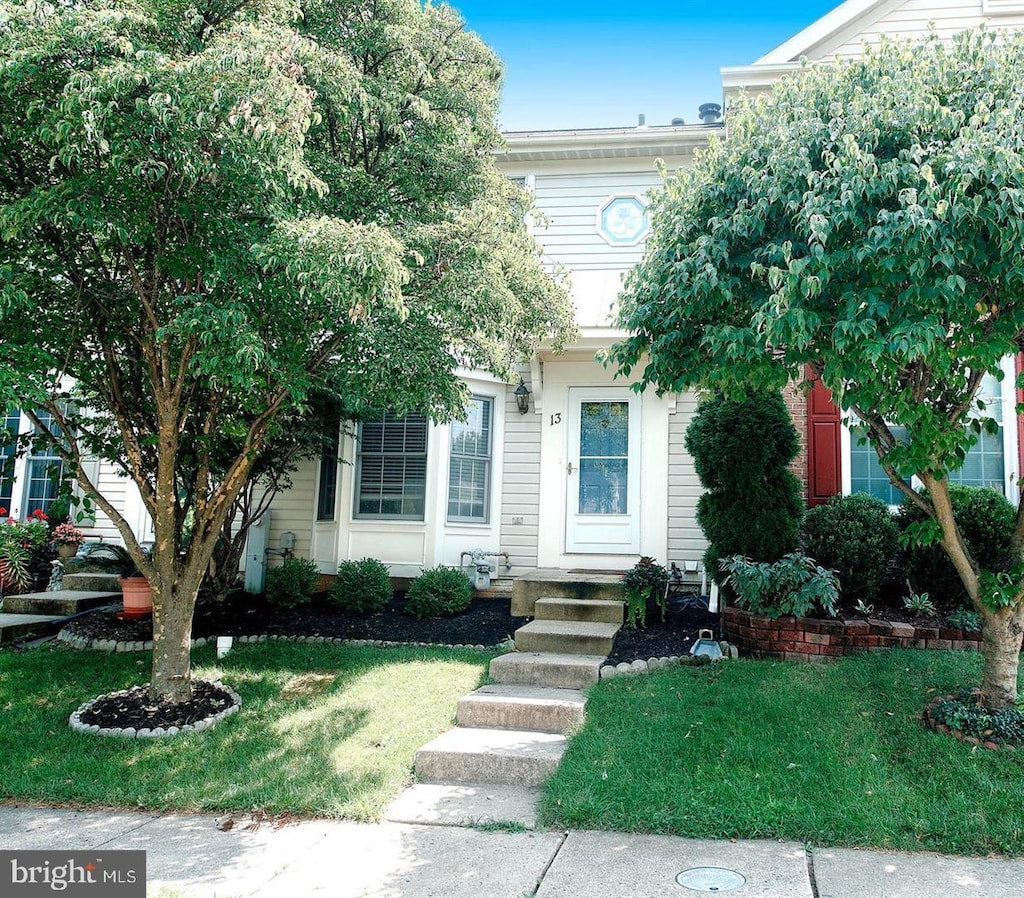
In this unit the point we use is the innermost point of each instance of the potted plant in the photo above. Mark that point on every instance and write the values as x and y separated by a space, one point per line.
136 591
644 581
20 542
67 538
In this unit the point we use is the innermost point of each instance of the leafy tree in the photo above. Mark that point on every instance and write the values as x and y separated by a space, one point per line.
209 212
866 220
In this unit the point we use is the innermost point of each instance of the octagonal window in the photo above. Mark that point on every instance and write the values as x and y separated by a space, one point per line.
623 220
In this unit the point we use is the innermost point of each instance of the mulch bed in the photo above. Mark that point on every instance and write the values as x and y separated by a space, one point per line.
486 622
133 708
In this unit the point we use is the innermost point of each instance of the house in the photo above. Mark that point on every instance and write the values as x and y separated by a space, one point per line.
569 468
592 475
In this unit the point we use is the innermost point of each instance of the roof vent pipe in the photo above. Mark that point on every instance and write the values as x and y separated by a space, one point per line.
641 121
678 121
710 113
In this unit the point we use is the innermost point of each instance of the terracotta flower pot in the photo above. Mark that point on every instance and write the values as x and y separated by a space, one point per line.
137 595
67 550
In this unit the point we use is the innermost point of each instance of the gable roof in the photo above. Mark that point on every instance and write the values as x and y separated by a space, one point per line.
833 23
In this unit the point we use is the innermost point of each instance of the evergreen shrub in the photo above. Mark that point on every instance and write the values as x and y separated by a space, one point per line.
856 537
362 587
439 592
292 584
753 504
986 519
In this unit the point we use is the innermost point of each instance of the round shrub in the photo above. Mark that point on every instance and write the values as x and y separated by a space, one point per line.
362 587
856 537
292 584
985 518
439 592
753 503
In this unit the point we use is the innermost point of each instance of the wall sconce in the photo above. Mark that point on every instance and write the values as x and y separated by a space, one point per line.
522 394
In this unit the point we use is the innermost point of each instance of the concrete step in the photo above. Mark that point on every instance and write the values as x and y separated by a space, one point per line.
62 604
566 637
465 804
92 581
600 610
511 757
504 706
547 669
545 582
14 626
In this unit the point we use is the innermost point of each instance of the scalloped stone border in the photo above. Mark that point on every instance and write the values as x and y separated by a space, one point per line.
75 720
624 668
112 645
947 730
607 671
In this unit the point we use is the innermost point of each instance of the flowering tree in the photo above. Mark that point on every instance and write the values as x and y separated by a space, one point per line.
207 214
866 220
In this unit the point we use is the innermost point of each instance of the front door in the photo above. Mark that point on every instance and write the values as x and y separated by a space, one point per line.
603 474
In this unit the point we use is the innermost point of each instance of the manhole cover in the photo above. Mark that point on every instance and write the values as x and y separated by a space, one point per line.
710 879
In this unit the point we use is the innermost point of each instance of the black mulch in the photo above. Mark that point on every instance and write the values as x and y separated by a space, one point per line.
133 708
486 622
661 639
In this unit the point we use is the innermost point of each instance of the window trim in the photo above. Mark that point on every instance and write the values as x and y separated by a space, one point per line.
488 459
358 515
327 476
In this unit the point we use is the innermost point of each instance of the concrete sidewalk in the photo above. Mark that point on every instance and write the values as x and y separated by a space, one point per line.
189 856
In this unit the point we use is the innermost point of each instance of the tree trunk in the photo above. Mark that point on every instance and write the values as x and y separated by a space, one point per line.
171 679
1001 633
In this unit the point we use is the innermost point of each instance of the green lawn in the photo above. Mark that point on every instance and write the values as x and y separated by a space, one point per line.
830 755
323 730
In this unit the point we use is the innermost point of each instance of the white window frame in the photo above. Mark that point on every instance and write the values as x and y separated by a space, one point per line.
357 515
488 460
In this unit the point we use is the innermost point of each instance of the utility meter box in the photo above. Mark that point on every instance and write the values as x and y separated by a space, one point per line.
256 555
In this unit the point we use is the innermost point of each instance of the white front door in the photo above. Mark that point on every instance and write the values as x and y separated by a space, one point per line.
603 472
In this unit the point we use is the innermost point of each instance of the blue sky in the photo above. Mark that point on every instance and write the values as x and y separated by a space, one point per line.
573 64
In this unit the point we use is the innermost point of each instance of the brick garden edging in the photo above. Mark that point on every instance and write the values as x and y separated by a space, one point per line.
806 639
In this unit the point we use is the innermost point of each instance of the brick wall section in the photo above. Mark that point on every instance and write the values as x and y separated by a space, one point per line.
796 402
805 639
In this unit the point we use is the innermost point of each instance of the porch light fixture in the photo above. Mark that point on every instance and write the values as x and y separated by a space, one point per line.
522 394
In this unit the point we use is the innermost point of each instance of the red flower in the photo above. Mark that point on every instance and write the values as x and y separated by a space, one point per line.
38 515
3 512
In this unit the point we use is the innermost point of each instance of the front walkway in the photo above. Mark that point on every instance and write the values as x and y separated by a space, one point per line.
191 857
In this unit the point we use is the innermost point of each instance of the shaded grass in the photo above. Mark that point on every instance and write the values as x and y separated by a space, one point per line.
829 755
324 730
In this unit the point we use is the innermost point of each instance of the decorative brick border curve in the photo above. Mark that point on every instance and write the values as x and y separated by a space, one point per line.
933 724
806 639
111 645
75 720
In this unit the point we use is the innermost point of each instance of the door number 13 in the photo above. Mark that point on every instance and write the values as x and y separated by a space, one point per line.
556 418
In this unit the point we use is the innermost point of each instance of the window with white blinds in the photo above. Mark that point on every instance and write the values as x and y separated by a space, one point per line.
391 475
469 467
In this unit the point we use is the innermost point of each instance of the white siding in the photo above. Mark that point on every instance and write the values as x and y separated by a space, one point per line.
114 487
571 204
685 540
294 510
520 486
911 19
